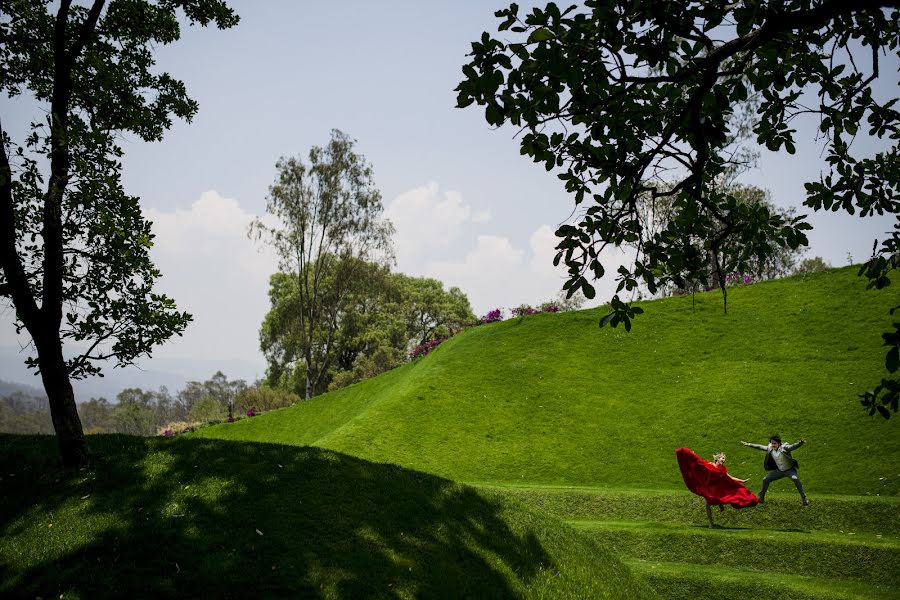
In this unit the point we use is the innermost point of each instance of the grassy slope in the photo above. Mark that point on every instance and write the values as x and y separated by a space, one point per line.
553 399
211 518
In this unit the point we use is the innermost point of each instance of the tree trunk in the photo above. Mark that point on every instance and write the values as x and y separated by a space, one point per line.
73 446
714 276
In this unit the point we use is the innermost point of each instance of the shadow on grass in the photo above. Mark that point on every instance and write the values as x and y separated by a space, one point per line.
209 518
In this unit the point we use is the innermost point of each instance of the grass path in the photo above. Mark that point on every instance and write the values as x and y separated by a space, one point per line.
841 547
680 581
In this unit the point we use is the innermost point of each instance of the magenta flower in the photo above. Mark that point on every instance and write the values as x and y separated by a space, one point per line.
251 413
494 315
168 433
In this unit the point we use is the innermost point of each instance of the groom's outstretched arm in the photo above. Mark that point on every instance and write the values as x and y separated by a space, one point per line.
755 446
792 447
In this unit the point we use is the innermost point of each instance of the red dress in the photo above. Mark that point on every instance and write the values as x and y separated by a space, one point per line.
712 481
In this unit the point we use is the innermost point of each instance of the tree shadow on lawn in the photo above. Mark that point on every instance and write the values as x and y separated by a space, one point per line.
210 518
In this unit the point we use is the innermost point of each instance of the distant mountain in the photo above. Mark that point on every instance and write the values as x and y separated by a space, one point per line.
150 374
10 387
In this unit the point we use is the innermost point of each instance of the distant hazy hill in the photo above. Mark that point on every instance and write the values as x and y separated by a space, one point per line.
9 387
156 372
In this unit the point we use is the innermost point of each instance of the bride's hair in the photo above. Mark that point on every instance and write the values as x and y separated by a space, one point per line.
716 457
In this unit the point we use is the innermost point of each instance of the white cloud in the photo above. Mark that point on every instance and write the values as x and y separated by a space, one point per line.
497 274
427 223
212 270
432 232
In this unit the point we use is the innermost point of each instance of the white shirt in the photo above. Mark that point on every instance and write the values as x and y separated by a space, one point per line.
781 459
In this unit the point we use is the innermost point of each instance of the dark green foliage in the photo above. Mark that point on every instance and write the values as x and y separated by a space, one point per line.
21 413
379 317
74 246
200 518
629 98
263 398
330 230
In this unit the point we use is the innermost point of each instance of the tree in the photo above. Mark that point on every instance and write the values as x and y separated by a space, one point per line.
623 97
816 264
656 213
133 412
381 316
73 245
428 310
329 226
207 408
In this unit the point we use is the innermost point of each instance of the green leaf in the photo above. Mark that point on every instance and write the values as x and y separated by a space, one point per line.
541 34
892 361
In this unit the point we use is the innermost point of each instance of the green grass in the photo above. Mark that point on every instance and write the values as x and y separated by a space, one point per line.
679 581
842 515
553 399
565 433
209 518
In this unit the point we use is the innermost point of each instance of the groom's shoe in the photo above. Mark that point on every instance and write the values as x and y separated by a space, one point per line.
805 501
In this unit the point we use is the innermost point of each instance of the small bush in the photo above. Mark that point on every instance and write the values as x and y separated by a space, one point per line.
259 399
423 349
494 315
522 310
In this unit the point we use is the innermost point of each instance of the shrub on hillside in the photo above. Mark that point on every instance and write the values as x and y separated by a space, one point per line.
382 359
815 264
522 310
494 315
205 409
738 279
177 428
263 398
423 349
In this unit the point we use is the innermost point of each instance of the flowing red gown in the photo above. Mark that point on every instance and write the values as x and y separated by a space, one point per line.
712 482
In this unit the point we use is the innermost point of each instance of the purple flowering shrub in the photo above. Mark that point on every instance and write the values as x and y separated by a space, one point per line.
549 307
738 279
494 315
423 349
522 310
251 413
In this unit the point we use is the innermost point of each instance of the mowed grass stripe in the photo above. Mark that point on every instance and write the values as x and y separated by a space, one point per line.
553 399
782 510
680 581
804 553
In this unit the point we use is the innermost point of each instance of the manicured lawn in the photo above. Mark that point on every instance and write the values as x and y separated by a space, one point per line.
211 519
553 399
529 458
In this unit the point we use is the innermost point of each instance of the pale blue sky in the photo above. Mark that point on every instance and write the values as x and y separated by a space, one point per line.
470 209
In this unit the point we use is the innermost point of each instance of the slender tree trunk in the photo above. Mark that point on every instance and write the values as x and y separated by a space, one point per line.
73 446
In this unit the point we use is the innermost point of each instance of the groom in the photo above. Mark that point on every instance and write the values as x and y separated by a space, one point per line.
779 463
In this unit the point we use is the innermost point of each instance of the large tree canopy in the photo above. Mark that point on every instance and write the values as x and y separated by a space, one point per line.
629 98
73 245
328 224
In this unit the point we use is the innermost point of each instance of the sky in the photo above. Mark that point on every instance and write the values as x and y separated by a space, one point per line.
468 209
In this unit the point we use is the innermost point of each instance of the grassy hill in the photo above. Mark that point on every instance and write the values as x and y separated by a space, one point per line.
553 399
212 519
565 434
